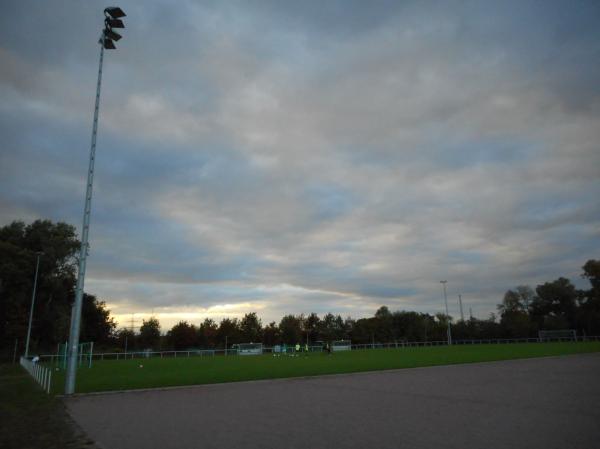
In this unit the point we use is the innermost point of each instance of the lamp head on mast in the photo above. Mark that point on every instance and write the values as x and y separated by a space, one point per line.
112 20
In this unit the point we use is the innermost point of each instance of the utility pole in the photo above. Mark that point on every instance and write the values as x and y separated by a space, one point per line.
462 316
37 266
111 20
449 332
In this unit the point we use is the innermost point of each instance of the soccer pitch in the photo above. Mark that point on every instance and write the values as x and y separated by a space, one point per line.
110 375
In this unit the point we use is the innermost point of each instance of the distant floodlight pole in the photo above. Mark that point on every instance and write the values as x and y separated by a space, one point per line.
111 20
447 314
37 266
462 316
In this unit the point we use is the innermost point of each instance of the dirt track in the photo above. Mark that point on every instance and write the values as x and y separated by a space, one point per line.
536 403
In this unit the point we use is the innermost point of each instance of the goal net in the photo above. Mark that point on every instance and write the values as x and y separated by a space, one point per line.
250 348
85 354
558 335
341 345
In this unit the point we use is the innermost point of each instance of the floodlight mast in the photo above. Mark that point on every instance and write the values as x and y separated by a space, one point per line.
106 42
449 332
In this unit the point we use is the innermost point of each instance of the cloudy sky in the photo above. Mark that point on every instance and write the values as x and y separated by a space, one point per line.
288 157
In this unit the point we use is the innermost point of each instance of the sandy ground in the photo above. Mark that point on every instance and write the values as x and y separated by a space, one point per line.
536 403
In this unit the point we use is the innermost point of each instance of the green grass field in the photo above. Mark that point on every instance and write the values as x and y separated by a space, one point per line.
156 372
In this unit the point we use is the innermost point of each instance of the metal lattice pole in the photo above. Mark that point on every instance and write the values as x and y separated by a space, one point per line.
76 310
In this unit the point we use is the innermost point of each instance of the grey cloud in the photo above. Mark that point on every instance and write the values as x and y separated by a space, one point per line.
355 153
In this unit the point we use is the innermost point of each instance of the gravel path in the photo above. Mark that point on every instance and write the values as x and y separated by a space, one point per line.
535 403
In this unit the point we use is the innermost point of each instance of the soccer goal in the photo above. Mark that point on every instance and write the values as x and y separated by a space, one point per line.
341 345
250 348
84 354
558 335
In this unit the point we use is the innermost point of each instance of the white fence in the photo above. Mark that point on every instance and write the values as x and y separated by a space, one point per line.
485 341
55 359
40 374
52 358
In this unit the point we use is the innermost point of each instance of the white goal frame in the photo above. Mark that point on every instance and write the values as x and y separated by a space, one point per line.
341 345
250 348
557 335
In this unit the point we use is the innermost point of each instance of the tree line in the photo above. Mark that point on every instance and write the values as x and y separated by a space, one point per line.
554 305
522 312
58 245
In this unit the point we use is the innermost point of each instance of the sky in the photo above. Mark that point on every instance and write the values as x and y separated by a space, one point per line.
286 157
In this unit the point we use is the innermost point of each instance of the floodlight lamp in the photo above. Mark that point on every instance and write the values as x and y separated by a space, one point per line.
114 23
115 12
111 34
108 44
